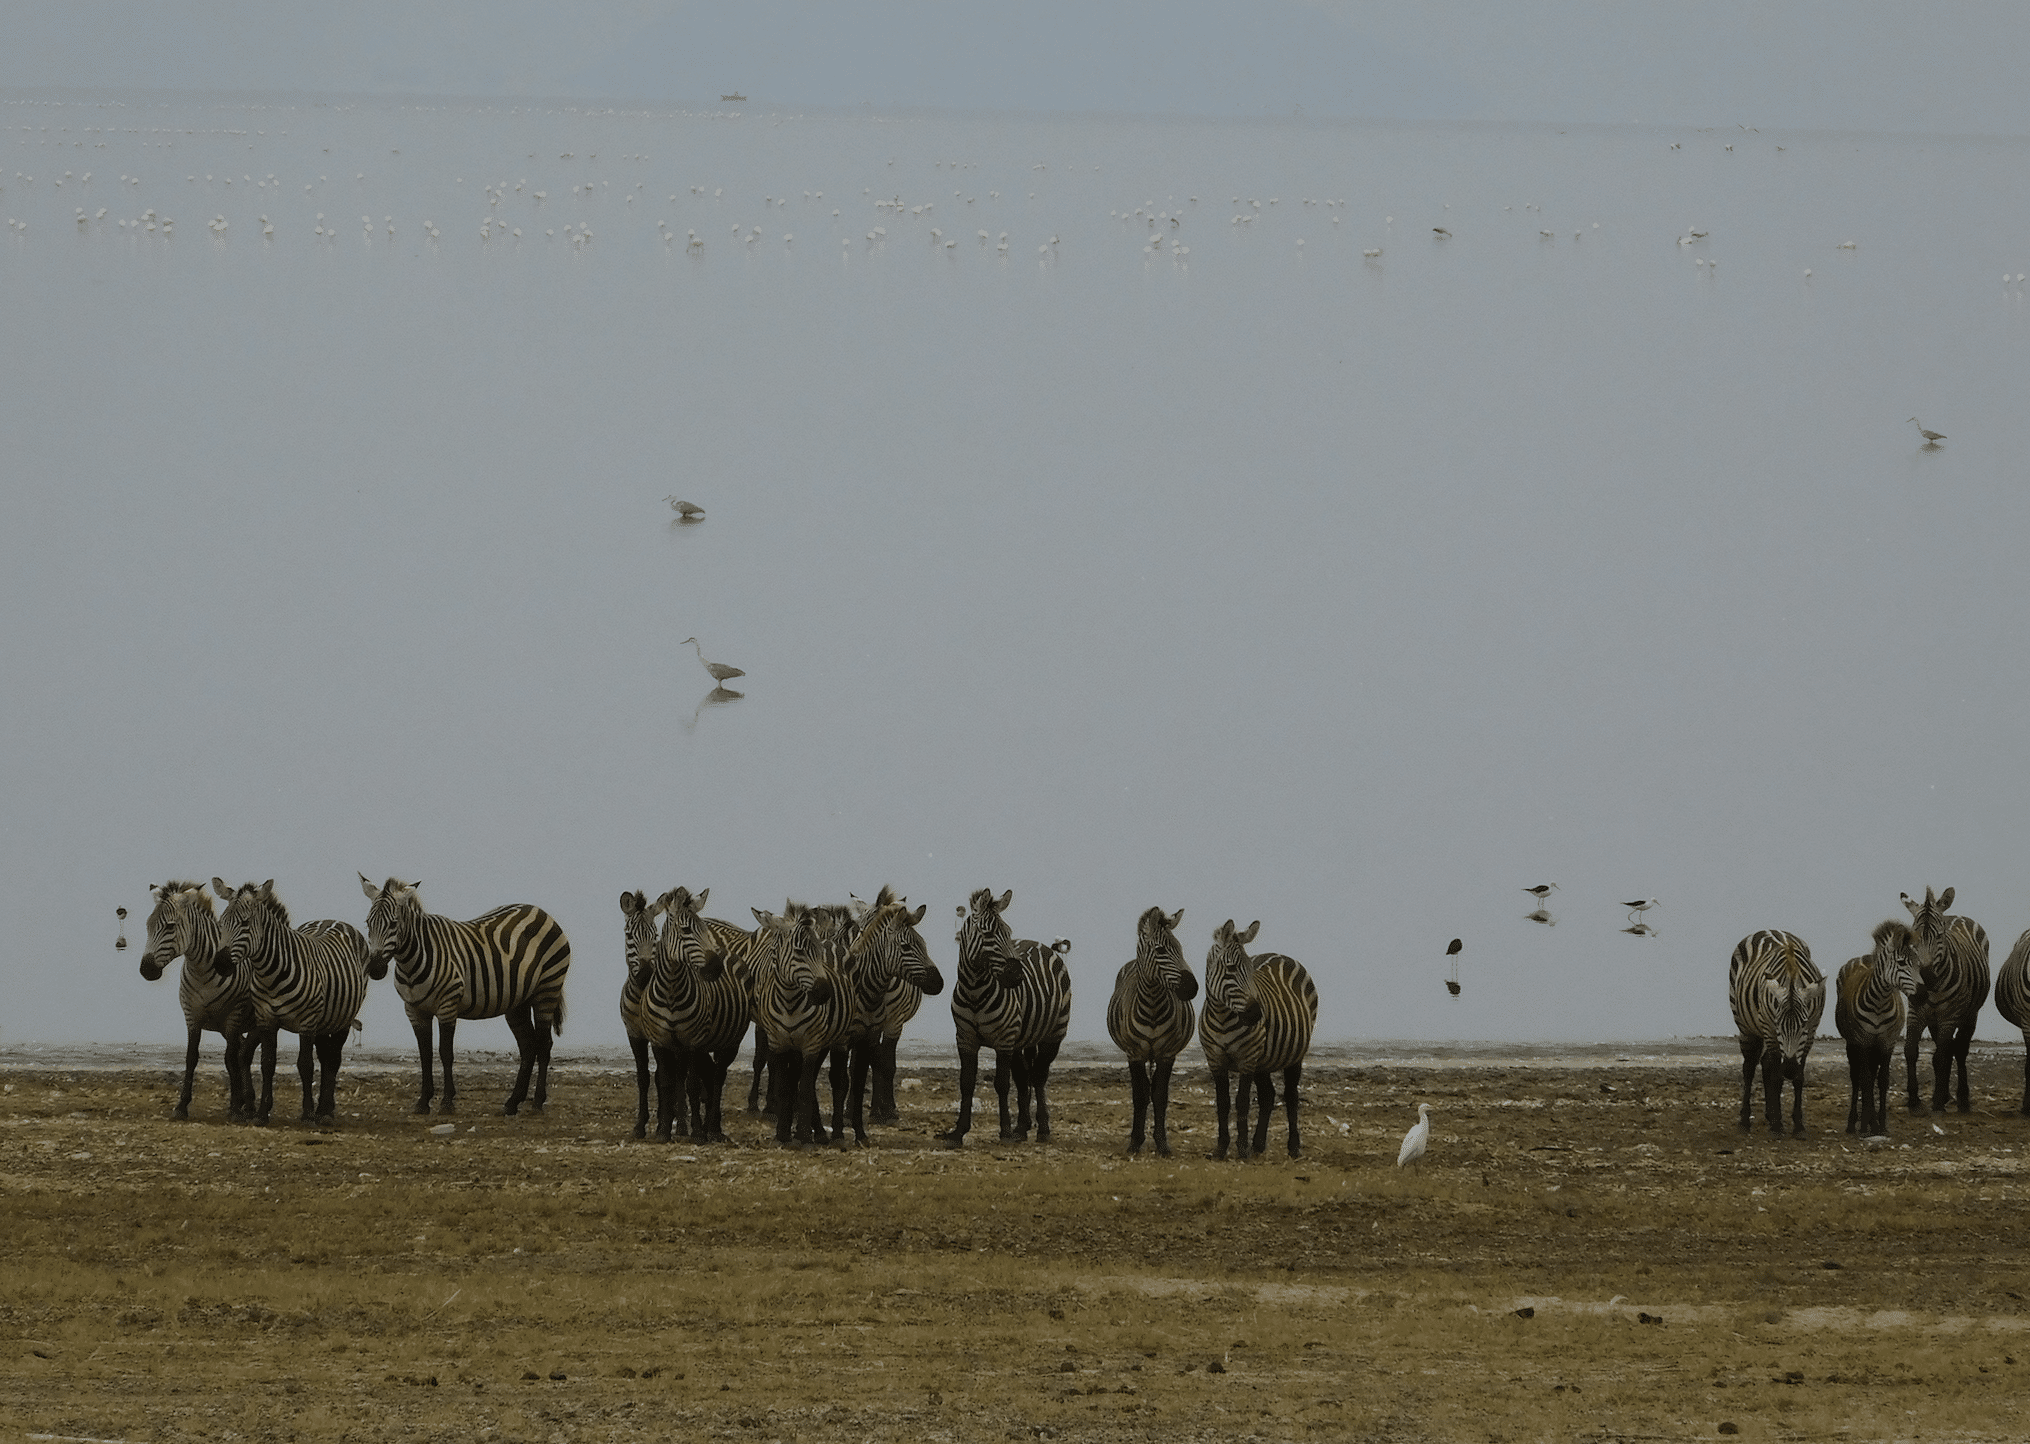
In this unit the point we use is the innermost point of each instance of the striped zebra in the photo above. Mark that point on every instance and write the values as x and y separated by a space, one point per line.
903 1002
183 925
1952 982
886 957
510 961
1257 1021
1869 1011
1014 997
309 979
2012 1001
1150 1018
698 1008
804 1004
1778 996
639 924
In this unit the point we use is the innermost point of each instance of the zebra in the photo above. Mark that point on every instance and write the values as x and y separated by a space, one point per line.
903 1001
804 1005
1778 996
1014 997
1869 1011
1257 1021
2012 1001
309 979
1952 983
510 961
698 1009
1150 1018
889 967
183 925
640 930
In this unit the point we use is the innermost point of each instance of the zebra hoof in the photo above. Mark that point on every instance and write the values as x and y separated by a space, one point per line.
182 1115
1296 1150
1162 1150
641 1130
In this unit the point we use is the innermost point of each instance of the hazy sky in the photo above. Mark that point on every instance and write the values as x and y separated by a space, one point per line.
1844 64
1121 511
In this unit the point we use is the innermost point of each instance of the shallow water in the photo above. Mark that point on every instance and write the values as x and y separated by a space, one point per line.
1260 580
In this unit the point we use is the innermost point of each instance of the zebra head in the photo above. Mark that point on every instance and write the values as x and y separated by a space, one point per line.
1791 1005
1229 970
984 939
1894 958
888 935
640 930
684 942
789 942
1928 922
1156 942
172 930
244 926
391 921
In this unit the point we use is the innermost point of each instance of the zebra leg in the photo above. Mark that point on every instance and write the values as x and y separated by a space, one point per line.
1751 1055
1797 1096
884 1082
190 1071
641 1082
1244 1084
522 1023
1291 1076
1878 1087
429 1074
330 1048
715 1092
447 1028
1963 1040
1772 1087
969 1075
2026 1072
1860 1083
760 1065
842 1073
1003 1066
856 1087
782 1093
669 1077
810 1126
267 1076
1039 1079
306 1069
697 1077
1138 1093
241 1052
1265 1107
1913 1039
1159 1090
1222 1104
546 1033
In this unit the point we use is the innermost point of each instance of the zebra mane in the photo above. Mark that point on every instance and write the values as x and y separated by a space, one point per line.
176 885
875 923
265 899
886 896
1892 932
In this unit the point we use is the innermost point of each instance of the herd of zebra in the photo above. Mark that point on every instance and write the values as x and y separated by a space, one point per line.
818 984
1928 975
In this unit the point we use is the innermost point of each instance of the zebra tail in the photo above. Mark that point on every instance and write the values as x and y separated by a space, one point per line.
557 1023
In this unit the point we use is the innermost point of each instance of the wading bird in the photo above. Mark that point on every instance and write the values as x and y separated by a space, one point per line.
1542 890
1931 438
1417 1138
1640 905
1452 976
719 670
685 510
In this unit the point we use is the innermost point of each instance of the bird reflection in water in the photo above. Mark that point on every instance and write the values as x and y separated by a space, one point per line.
120 943
717 697
1541 915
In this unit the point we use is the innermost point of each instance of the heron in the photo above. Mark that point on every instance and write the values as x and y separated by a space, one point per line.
1542 890
1441 232
685 510
1640 905
719 670
1931 438
1415 1141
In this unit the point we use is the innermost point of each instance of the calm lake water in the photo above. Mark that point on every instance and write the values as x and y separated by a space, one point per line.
1157 559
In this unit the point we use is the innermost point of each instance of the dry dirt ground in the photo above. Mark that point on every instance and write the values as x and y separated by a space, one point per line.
552 1279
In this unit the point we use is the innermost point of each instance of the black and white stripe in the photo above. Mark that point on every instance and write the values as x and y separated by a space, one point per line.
1869 1011
310 980
698 1009
182 924
804 1004
886 956
1952 983
639 925
507 963
1778 996
1257 1021
1150 1018
2012 1001
1013 996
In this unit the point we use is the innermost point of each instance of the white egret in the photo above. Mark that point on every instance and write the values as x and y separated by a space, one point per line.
1417 1139
1931 438
719 671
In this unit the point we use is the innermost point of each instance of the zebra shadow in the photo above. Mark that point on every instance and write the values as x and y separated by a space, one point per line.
717 697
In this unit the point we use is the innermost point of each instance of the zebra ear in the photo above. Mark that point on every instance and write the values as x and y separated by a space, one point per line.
917 916
1909 902
1945 900
1006 898
1249 936
759 916
629 903
1175 918
219 886
368 888
699 900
